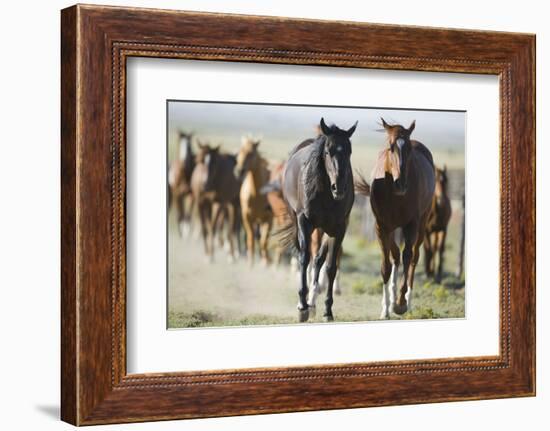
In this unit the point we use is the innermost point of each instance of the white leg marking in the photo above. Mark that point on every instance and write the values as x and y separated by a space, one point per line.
392 285
385 314
313 293
408 298
336 286
309 273
323 278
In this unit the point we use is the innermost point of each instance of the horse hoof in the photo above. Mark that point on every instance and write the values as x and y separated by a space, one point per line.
399 308
384 315
303 315
329 317
312 310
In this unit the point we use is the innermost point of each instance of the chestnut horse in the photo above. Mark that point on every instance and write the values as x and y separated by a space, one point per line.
179 181
274 195
401 195
436 226
318 189
256 212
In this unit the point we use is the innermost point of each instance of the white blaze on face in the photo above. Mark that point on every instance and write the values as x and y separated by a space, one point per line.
207 159
400 142
183 147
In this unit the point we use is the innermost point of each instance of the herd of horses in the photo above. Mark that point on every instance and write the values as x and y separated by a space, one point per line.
306 201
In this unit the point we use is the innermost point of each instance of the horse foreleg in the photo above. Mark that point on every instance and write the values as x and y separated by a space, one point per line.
411 234
231 231
392 284
318 262
428 256
333 249
385 270
214 222
265 229
414 262
337 289
441 252
204 219
304 239
180 210
189 215
249 229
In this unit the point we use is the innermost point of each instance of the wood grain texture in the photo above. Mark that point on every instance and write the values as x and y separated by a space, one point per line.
96 41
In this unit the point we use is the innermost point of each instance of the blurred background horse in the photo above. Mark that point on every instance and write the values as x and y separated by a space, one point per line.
436 226
179 182
252 168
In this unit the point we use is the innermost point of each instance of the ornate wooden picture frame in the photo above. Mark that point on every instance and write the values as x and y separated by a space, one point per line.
96 42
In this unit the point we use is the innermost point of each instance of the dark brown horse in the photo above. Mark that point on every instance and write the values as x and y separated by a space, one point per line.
436 226
179 181
221 188
318 189
401 195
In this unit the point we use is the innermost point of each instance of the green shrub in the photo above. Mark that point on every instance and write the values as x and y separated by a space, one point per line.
358 287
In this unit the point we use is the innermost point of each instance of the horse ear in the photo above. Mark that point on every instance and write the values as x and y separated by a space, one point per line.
412 126
352 129
324 127
216 148
386 125
256 144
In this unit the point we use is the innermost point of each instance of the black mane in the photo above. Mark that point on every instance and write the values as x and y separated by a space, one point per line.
314 173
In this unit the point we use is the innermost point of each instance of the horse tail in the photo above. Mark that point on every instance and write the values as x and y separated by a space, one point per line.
361 185
287 234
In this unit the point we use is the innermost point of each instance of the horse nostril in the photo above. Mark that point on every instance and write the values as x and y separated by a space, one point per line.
333 187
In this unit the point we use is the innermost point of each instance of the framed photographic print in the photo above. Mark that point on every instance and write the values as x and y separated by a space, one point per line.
258 208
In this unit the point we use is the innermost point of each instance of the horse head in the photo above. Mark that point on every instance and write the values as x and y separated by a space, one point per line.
209 157
398 152
248 156
185 150
441 181
336 157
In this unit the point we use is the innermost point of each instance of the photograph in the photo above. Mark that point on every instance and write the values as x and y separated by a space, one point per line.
283 214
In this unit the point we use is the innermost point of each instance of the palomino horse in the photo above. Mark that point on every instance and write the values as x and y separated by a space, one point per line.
179 181
318 190
436 226
256 212
401 195
215 189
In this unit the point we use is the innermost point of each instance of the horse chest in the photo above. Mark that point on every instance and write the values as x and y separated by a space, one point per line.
328 214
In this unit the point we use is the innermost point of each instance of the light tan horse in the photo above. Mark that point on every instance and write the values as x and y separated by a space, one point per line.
253 169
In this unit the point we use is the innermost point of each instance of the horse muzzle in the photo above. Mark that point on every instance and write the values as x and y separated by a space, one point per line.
337 194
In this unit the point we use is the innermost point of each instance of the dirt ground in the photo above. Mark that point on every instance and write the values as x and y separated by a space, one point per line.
221 293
